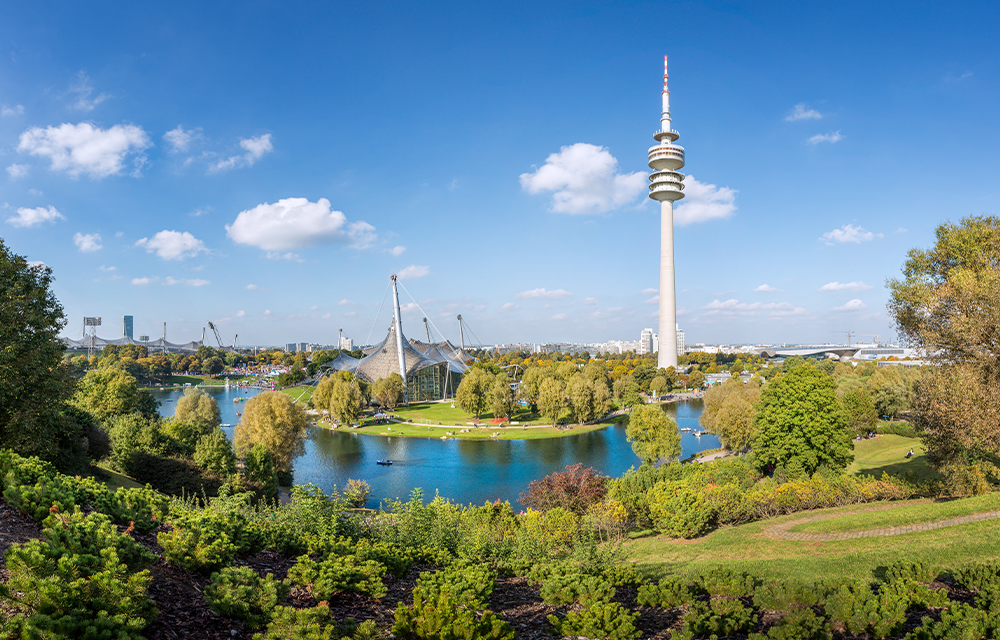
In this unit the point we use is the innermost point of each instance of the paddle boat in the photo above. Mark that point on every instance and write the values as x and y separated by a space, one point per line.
384 463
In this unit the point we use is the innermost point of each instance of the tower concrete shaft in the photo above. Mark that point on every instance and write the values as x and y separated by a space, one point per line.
666 186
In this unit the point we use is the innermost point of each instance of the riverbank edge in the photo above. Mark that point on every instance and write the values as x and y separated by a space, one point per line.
470 436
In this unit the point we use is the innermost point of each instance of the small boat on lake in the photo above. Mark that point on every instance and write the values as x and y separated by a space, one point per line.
384 463
685 429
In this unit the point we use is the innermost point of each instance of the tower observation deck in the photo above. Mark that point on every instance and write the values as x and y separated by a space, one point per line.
665 186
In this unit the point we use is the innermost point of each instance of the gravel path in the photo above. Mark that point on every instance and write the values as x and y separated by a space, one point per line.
781 531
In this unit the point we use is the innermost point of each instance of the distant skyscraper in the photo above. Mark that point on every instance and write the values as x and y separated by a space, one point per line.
646 341
680 340
127 326
666 186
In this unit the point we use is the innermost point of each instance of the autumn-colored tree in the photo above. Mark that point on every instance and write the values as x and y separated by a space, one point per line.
473 392
388 391
574 489
273 420
654 435
503 399
199 408
551 398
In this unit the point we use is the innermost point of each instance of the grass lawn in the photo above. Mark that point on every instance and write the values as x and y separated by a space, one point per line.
481 433
182 380
442 412
888 453
910 512
748 548
299 394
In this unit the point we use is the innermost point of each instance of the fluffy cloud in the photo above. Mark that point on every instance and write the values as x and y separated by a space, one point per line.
88 242
509 306
560 316
348 303
179 139
845 286
654 300
589 300
826 137
397 250
141 281
703 201
83 90
173 245
294 223
7 111
168 281
801 112
584 179
17 170
256 148
33 217
555 294
852 305
413 271
84 148
766 288
849 233
650 291
734 307
252 287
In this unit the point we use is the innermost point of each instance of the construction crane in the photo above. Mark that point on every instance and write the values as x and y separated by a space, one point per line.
218 338
871 335
850 334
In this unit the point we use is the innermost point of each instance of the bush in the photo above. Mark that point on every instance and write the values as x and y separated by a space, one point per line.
338 574
716 618
800 624
80 535
680 508
915 571
214 453
304 524
723 581
778 595
196 549
598 620
569 588
858 610
173 476
468 586
444 619
238 592
624 575
142 508
672 591
984 579
258 466
574 489
357 491
958 622
35 500
315 623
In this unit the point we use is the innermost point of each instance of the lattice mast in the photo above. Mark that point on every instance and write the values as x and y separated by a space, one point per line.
666 186
398 322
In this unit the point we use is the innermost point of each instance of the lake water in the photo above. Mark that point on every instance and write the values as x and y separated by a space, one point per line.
467 471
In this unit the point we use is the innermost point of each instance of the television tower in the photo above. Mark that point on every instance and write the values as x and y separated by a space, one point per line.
666 185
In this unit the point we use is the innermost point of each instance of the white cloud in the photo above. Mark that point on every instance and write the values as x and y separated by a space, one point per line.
7 110
852 305
141 280
294 223
84 148
849 233
413 271
362 235
766 288
510 306
801 112
654 300
17 170
584 179
103 268
479 307
252 287
83 90
180 140
267 312
200 211
734 307
348 303
589 300
826 137
350 314
36 264
274 255
173 245
168 281
650 291
845 286
256 148
327 316
555 294
560 316
88 242
397 250
36 192
33 217
703 202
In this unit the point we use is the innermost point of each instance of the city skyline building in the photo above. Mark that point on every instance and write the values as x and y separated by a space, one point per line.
127 326
666 186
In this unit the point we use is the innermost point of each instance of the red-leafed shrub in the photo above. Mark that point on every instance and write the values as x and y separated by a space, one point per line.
574 489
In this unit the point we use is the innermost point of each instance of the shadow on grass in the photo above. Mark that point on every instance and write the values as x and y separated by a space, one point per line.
917 469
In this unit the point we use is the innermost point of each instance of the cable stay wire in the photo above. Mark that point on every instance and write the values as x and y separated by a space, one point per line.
473 333
369 340
421 309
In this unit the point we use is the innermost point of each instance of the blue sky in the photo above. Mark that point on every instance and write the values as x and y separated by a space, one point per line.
266 166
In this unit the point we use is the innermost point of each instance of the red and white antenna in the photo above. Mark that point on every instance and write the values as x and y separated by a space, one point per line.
665 76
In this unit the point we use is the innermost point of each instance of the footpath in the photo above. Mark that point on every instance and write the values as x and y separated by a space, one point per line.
780 531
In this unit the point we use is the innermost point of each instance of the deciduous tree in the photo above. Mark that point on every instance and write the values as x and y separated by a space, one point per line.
551 398
198 407
654 436
473 392
502 396
111 392
388 391
273 420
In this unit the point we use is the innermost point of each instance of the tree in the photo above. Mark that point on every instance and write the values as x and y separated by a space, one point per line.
502 396
273 420
110 392
859 410
212 366
473 392
799 424
696 380
574 489
199 408
581 397
729 413
631 397
346 400
658 385
654 436
388 392
532 380
551 399
321 396
214 453
258 466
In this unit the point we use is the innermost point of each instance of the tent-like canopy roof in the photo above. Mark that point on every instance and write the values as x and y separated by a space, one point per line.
93 342
384 359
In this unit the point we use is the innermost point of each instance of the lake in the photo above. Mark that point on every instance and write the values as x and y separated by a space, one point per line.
466 471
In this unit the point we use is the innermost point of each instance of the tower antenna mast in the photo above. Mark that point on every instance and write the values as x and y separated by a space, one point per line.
398 322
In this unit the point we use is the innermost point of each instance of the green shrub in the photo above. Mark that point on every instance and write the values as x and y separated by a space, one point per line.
723 581
144 508
598 620
672 591
959 622
196 549
857 609
576 587
444 619
624 575
34 500
86 537
800 624
396 561
468 586
173 476
915 571
779 595
716 619
339 574
238 592
681 508
303 525
979 576
214 453
315 623
18 470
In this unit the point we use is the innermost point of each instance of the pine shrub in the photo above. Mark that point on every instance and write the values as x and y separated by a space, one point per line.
444 619
723 581
338 574
672 591
468 586
576 587
907 570
238 592
196 549
959 622
716 619
315 623
34 500
800 624
598 620
858 610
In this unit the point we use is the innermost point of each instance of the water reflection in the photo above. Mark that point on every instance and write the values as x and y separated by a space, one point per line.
467 471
